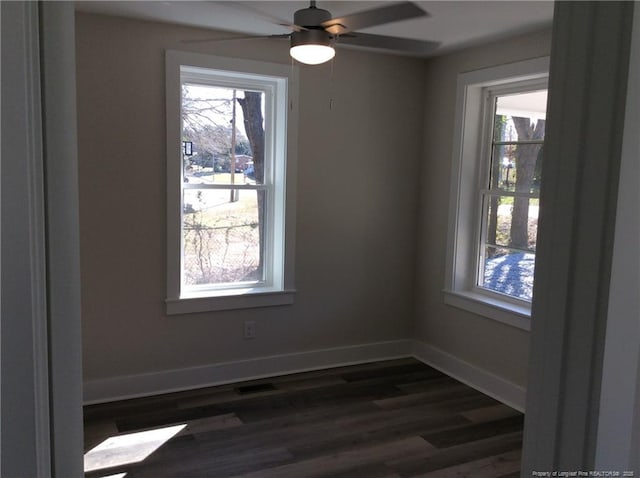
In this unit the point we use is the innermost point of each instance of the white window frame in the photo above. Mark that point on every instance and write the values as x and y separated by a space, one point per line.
280 83
469 167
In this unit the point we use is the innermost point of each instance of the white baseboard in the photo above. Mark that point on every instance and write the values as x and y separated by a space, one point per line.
502 390
133 386
141 385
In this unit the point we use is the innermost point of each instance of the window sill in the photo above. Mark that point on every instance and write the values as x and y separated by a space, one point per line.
496 309
195 304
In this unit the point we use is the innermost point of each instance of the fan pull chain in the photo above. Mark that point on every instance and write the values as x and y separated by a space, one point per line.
331 86
333 61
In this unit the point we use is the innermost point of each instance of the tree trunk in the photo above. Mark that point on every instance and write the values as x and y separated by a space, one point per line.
251 106
525 159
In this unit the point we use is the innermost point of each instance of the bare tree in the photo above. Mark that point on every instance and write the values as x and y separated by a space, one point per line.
251 106
198 111
525 158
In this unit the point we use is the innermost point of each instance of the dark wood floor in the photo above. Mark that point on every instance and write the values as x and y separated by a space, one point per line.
398 418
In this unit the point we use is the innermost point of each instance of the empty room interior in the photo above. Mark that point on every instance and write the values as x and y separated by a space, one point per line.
376 273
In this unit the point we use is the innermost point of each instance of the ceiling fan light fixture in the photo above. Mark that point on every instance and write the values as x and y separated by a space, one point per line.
312 54
311 47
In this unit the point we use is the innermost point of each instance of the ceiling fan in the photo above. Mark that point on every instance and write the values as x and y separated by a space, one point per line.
314 32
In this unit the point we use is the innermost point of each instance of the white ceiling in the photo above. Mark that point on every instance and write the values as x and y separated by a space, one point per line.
456 24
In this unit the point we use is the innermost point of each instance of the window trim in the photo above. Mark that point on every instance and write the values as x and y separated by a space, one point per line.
281 290
470 141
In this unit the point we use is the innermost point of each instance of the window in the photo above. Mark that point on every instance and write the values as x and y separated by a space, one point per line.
495 190
230 149
510 192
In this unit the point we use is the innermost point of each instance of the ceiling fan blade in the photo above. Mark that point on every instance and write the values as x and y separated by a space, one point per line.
293 27
373 17
391 44
240 37
261 13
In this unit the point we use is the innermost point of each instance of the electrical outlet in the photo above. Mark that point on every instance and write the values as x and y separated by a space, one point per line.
249 329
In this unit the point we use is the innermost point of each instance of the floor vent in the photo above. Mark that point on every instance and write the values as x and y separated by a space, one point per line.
247 389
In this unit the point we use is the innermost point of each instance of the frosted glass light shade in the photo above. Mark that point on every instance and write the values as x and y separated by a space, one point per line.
312 54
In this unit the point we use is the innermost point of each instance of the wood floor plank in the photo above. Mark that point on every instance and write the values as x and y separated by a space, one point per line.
311 383
427 383
436 459
342 462
225 396
299 428
515 474
435 395
355 368
393 371
287 437
265 407
368 471
215 423
133 406
464 434
376 433
207 466
489 467
490 413
167 417
368 420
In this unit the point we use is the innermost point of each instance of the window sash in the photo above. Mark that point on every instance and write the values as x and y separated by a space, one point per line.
488 146
258 187
512 194
265 249
516 143
266 85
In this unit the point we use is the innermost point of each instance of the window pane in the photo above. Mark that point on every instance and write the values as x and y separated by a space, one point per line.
508 272
517 168
221 237
520 117
512 222
214 152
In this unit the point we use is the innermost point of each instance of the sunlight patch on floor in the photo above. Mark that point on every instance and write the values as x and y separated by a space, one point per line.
126 449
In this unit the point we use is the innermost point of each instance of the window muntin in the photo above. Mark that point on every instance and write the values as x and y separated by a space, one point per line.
510 192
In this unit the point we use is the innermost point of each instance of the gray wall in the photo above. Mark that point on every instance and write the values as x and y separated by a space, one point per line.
499 349
356 205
